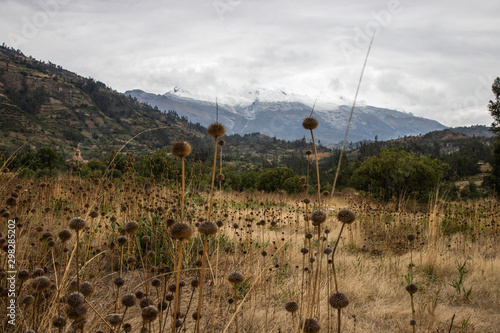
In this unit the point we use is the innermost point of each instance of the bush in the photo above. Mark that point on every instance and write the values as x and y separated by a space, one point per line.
396 172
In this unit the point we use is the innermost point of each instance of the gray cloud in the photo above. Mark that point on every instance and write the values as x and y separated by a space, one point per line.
435 59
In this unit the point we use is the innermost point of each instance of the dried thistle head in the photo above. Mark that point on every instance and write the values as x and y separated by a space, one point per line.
291 306
129 300
114 319
131 227
181 149
86 288
208 228
216 130
59 322
77 223
64 235
149 313
346 216
235 278
411 288
338 300
318 217
310 123
40 283
75 299
310 325
181 231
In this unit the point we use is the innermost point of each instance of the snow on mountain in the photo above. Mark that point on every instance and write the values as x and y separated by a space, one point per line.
275 112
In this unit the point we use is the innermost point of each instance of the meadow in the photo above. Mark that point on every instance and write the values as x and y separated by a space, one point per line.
93 255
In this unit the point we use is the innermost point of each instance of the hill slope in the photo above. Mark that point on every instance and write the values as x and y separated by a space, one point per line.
42 103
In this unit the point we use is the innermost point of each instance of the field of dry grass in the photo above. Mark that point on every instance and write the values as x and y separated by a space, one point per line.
268 238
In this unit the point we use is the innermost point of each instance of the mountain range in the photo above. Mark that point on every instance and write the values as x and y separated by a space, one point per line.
279 114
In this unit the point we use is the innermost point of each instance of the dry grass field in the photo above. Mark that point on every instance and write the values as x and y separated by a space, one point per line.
104 273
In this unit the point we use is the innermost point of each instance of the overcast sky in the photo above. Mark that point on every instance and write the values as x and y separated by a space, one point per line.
436 59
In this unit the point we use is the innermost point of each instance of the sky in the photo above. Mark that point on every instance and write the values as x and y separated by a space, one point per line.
435 59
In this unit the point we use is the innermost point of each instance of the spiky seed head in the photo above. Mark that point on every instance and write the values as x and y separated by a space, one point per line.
181 231
338 300
413 322
410 237
131 260
310 123
77 223
127 327
310 325
23 275
75 299
195 315
208 228
145 301
309 235
11 202
40 283
37 272
303 179
155 283
64 235
304 250
149 313
219 224
170 222
131 227
327 251
119 282
181 149
216 130
305 187
235 277
129 300
169 297
291 306
76 313
220 177
346 216
139 294
59 322
28 299
114 319
86 288
411 288
93 214
326 193
195 283
121 240
308 153
318 217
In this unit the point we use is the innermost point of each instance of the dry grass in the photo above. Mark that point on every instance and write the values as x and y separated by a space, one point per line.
371 261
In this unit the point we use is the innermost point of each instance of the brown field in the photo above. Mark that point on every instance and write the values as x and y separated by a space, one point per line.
371 262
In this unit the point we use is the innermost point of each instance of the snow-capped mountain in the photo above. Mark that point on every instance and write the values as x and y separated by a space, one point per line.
278 113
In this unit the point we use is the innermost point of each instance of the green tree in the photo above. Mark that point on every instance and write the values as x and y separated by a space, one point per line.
272 179
494 107
396 172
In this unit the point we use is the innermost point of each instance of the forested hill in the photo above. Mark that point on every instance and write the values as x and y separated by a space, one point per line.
42 103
